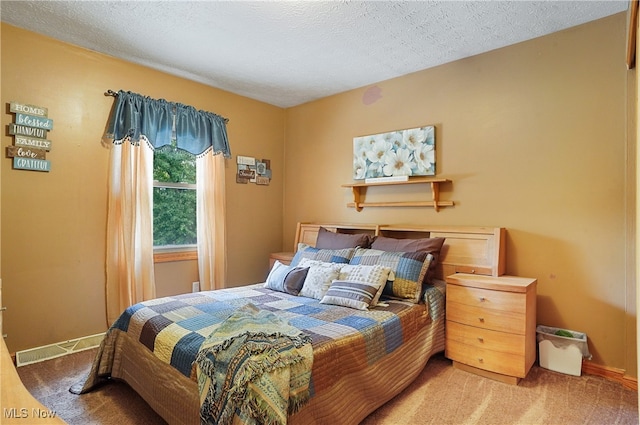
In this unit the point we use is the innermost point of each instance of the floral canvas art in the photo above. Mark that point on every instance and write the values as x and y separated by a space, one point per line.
408 152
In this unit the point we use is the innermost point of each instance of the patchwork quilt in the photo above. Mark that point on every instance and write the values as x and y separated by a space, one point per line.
344 340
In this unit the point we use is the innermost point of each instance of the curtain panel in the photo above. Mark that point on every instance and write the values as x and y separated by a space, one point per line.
211 217
129 262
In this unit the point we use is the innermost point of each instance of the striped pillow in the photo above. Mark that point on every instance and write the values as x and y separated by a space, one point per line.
358 295
375 275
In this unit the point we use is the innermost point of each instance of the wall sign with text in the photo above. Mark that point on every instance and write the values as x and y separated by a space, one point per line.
29 130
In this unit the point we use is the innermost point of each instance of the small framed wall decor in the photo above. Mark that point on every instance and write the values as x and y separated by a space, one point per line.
252 170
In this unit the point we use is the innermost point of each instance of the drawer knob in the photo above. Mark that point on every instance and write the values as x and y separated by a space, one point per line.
481 339
480 359
482 299
481 319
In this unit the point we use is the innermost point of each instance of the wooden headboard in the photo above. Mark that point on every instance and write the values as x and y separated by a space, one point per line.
479 250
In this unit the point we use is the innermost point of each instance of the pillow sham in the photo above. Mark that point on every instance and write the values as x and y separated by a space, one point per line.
326 255
319 277
332 240
346 293
374 275
285 278
408 268
431 245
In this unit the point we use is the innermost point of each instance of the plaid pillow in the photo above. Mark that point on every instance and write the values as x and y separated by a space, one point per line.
408 270
326 255
431 245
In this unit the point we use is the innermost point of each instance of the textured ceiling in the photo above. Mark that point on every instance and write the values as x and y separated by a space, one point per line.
290 52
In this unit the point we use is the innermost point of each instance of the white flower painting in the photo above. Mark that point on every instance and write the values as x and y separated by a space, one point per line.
410 152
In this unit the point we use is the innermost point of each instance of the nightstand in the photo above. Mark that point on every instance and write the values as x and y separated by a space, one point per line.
491 325
283 257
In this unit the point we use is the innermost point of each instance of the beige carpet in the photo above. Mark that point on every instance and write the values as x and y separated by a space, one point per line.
445 395
441 395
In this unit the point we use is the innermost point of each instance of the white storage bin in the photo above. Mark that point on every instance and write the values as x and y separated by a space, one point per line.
562 353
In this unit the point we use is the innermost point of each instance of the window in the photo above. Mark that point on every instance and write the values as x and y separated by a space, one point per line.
174 199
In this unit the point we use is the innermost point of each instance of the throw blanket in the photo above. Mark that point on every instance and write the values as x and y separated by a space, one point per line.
254 366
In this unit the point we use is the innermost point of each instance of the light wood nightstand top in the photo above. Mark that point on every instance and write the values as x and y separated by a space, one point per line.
497 283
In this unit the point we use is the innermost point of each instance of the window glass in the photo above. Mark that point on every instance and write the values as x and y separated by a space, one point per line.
174 198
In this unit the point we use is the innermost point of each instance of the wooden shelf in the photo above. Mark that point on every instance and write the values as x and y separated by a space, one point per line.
359 188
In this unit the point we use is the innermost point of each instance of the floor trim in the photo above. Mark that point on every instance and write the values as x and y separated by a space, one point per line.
610 373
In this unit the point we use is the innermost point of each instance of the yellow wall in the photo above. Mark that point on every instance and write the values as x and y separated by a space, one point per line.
53 224
533 137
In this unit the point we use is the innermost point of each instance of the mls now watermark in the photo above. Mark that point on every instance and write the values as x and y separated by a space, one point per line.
24 413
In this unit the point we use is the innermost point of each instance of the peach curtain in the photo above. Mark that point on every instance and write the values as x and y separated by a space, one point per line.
210 183
129 260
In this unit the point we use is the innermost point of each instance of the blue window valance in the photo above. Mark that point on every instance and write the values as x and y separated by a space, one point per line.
196 131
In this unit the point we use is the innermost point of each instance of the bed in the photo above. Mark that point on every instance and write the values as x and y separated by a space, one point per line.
361 358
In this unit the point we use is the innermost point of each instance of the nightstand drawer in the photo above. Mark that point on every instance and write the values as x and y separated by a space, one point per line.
488 299
503 321
485 338
481 358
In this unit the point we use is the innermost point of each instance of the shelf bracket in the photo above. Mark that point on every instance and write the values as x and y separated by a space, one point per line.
435 195
357 198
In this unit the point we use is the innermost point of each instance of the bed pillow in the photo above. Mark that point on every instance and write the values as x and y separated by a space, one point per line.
285 278
358 286
346 293
332 240
374 275
431 245
319 277
326 255
408 270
